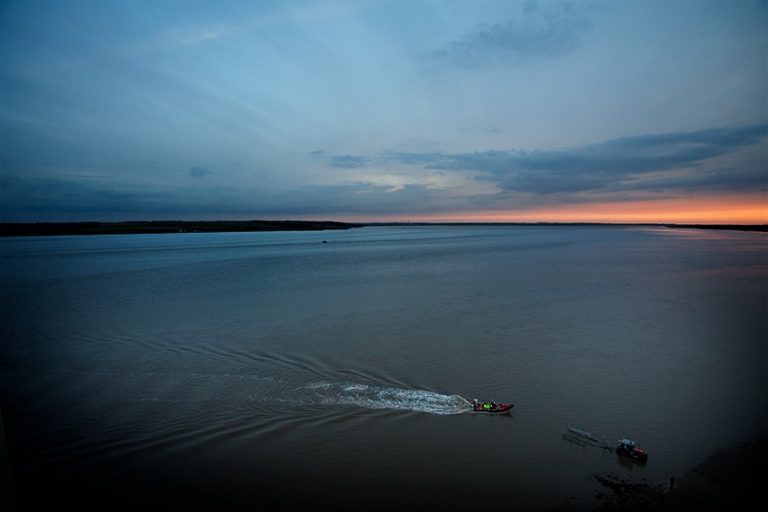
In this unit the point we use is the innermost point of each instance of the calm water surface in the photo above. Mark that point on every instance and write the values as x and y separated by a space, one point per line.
254 369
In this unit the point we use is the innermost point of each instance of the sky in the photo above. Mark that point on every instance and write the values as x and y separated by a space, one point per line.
534 111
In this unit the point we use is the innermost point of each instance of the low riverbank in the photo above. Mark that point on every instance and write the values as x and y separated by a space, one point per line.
162 226
763 228
223 226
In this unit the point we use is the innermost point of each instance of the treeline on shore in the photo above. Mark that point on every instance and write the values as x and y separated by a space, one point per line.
163 226
220 226
738 227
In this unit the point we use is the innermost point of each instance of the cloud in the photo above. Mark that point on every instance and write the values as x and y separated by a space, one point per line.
541 32
346 161
196 35
199 172
717 161
60 199
661 161
725 161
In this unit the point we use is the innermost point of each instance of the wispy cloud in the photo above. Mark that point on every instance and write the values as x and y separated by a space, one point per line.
199 172
725 161
346 161
29 198
542 31
196 35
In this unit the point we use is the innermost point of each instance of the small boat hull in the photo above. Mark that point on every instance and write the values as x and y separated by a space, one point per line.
499 409
632 452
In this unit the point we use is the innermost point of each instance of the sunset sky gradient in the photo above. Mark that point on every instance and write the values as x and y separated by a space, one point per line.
544 111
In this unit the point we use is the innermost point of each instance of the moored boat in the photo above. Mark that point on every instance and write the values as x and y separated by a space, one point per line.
628 448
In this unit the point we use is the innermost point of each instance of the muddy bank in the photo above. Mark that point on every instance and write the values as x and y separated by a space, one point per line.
731 476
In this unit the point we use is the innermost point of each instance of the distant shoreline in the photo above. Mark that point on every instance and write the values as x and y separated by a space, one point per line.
737 227
162 226
159 227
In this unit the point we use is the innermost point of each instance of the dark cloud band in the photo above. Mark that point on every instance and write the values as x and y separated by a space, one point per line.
625 162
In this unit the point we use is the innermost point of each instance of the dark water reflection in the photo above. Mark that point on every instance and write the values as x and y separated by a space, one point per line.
267 368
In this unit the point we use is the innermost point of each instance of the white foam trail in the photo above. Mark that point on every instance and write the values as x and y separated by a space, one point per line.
379 397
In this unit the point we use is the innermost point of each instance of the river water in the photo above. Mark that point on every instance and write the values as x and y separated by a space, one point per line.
262 370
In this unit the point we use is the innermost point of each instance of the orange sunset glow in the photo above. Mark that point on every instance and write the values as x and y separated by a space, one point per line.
749 209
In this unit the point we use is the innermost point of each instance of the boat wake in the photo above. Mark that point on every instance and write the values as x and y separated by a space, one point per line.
379 397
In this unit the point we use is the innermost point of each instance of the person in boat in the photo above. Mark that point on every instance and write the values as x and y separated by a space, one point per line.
484 406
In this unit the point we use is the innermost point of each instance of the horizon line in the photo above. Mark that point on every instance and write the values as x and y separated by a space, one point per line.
89 228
